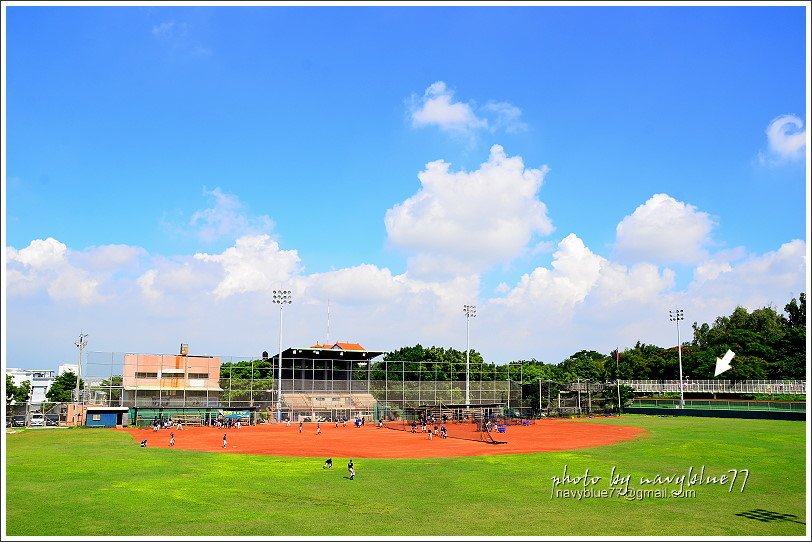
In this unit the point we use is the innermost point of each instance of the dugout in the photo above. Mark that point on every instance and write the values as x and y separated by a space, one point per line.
144 417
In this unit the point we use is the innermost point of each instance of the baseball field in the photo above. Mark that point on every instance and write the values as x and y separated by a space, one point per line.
645 475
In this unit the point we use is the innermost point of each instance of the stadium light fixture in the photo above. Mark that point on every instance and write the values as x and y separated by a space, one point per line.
470 312
675 316
617 378
281 298
80 344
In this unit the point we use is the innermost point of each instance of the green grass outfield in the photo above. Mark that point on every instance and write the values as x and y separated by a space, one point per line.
99 482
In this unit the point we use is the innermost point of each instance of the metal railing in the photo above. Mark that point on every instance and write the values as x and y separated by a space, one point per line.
793 387
722 404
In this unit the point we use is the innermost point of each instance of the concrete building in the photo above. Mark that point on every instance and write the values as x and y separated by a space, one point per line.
40 379
162 380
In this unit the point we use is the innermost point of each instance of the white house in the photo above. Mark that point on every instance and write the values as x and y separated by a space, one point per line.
40 379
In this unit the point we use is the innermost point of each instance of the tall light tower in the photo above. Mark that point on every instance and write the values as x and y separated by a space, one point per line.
617 378
470 312
675 316
80 344
281 298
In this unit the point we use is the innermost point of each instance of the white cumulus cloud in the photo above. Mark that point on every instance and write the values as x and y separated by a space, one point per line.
363 283
505 116
665 231
465 222
755 280
253 264
786 138
45 263
437 107
40 254
576 273
147 284
227 219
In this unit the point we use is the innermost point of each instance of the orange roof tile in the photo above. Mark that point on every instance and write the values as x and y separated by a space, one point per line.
349 346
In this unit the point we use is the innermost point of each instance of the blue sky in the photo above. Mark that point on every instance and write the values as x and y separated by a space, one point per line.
573 171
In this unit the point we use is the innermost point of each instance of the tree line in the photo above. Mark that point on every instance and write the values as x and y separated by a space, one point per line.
768 345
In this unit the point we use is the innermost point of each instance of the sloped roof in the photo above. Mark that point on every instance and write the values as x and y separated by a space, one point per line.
348 346
340 346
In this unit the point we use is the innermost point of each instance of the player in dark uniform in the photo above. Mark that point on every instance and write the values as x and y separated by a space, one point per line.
328 464
351 469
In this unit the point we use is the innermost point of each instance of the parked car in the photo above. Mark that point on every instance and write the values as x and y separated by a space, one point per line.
37 420
52 420
19 421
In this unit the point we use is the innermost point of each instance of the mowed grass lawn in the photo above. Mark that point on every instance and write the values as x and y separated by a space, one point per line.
99 482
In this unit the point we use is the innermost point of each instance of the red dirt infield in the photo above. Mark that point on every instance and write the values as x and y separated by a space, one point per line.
393 441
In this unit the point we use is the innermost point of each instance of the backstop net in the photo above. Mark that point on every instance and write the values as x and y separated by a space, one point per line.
199 388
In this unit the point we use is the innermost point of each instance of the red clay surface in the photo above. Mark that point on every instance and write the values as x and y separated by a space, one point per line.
371 441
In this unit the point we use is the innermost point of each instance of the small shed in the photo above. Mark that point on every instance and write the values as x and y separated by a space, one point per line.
104 416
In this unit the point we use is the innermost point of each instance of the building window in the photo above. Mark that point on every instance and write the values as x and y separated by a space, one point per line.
146 375
199 376
96 417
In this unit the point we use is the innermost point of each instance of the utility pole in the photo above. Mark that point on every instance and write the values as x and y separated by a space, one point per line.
80 344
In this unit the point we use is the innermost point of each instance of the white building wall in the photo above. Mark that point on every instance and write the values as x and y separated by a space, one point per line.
40 379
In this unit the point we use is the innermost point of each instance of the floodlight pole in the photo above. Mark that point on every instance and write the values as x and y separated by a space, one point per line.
80 344
549 395
675 316
617 378
470 312
281 298
539 396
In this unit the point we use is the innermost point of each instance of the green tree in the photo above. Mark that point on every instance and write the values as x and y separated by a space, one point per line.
790 361
23 393
247 380
17 394
10 389
61 391
626 396
767 345
112 387
585 365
